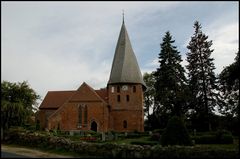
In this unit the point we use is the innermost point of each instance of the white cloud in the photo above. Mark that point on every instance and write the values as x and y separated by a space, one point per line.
225 44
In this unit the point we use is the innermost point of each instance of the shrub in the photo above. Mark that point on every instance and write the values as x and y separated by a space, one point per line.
176 133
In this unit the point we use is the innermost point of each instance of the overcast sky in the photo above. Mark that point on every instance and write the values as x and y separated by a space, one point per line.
59 45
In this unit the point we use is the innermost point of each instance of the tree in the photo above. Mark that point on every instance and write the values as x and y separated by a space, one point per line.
170 86
149 93
202 80
17 103
176 133
229 89
149 100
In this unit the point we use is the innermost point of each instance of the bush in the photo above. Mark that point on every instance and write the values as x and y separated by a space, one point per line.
176 133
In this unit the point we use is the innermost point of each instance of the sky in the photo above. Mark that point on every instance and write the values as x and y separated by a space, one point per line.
57 46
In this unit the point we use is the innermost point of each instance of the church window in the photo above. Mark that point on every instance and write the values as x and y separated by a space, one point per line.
79 116
128 98
58 127
118 89
118 98
124 124
112 89
134 89
85 115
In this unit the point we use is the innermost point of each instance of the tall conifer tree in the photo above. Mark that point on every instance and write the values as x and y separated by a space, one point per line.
170 80
202 80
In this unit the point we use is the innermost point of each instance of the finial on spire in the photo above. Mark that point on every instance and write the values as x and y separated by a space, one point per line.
123 15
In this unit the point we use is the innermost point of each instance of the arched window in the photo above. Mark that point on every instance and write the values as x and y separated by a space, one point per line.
79 116
134 89
127 97
118 98
118 89
85 115
125 124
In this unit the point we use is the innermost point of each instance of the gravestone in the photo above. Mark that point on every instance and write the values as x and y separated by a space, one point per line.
103 136
71 133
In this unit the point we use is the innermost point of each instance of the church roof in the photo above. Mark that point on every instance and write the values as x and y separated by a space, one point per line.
54 99
125 68
86 93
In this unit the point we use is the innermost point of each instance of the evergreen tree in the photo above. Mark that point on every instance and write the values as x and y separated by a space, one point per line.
170 83
202 80
229 89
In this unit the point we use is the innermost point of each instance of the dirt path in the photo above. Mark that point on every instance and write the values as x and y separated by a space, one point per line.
31 152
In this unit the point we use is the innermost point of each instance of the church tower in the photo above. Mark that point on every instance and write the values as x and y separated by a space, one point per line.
125 88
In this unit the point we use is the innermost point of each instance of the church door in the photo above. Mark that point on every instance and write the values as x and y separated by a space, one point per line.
94 126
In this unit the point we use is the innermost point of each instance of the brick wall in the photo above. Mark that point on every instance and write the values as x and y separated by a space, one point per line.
131 111
68 116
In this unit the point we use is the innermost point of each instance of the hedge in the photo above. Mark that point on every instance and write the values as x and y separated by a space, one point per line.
211 139
218 137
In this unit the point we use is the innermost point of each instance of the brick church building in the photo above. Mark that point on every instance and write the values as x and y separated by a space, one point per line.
118 107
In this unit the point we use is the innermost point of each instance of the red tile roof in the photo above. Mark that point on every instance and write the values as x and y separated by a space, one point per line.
54 99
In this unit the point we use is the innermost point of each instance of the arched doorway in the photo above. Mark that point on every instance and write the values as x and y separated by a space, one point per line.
94 126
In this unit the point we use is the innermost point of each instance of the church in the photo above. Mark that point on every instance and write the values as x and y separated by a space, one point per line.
118 107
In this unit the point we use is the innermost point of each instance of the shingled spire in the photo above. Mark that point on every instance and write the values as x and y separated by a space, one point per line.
125 68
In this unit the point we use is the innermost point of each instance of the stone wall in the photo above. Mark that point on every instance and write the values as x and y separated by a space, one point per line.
111 150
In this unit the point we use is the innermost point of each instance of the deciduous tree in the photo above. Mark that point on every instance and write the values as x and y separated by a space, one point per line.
17 103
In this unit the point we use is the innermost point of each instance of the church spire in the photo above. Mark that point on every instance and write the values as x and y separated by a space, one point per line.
125 68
